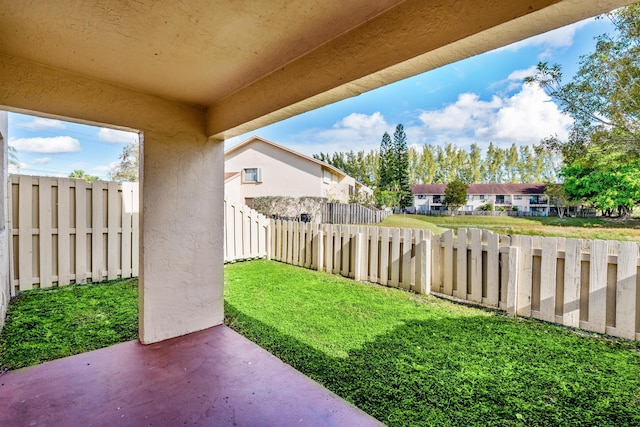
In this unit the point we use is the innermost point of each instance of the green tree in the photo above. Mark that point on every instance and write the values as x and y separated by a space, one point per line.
603 97
558 197
605 184
80 174
455 194
128 166
401 172
386 167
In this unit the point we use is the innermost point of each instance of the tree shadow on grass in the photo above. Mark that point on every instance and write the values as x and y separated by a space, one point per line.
471 371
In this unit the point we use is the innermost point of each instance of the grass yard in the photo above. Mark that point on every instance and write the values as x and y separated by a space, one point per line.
403 358
52 323
580 228
418 360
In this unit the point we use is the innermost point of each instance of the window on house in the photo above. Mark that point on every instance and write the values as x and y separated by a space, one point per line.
517 197
351 190
252 175
437 199
422 196
482 197
500 199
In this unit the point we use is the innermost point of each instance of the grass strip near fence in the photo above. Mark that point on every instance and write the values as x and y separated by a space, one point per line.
577 228
418 360
47 324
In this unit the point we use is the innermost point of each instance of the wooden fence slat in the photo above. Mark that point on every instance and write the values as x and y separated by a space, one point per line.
447 237
25 232
97 237
548 280
406 258
525 261
598 266
374 244
64 250
81 232
572 266
395 258
46 240
626 290
345 249
476 265
461 266
436 263
114 213
512 280
493 270
384 256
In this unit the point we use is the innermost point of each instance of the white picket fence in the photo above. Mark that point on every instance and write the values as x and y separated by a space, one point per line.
578 283
246 233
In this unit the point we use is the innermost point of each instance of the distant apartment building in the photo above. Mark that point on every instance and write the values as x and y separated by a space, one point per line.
520 197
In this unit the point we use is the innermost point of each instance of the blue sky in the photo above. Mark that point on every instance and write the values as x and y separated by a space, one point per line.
481 99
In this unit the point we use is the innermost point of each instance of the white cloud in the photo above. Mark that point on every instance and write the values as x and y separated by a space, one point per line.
467 112
39 123
552 40
524 119
42 160
117 136
103 169
355 132
57 144
520 75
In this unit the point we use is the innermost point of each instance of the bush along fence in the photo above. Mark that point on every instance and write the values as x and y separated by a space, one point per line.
351 213
578 283
69 231
246 233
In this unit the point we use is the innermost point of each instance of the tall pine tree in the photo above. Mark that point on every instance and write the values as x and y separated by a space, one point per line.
401 172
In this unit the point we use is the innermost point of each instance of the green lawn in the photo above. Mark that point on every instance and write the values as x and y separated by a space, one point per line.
49 324
581 228
417 360
403 358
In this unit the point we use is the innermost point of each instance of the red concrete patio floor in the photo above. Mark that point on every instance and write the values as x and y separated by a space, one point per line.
214 377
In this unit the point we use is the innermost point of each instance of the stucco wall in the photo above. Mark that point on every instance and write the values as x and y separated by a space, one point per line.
181 256
4 243
283 173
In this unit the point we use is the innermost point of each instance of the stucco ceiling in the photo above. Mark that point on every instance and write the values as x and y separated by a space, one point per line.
192 51
250 63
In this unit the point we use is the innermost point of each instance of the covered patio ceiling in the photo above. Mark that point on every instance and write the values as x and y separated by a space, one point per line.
249 64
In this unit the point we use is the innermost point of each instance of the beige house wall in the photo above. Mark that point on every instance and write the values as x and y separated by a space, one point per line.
284 173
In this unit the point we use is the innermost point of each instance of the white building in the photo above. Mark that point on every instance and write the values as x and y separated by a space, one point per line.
520 197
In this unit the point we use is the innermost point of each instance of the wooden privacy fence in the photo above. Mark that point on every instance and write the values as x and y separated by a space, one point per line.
588 284
388 256
69 231
351 213
578 283
246 233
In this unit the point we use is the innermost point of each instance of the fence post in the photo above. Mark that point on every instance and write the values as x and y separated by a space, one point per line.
598 285
512 281
461 267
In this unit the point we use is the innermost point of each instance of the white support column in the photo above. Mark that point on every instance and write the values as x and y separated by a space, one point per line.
181 282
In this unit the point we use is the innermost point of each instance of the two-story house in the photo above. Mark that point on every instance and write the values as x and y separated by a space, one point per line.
258 168
521 197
